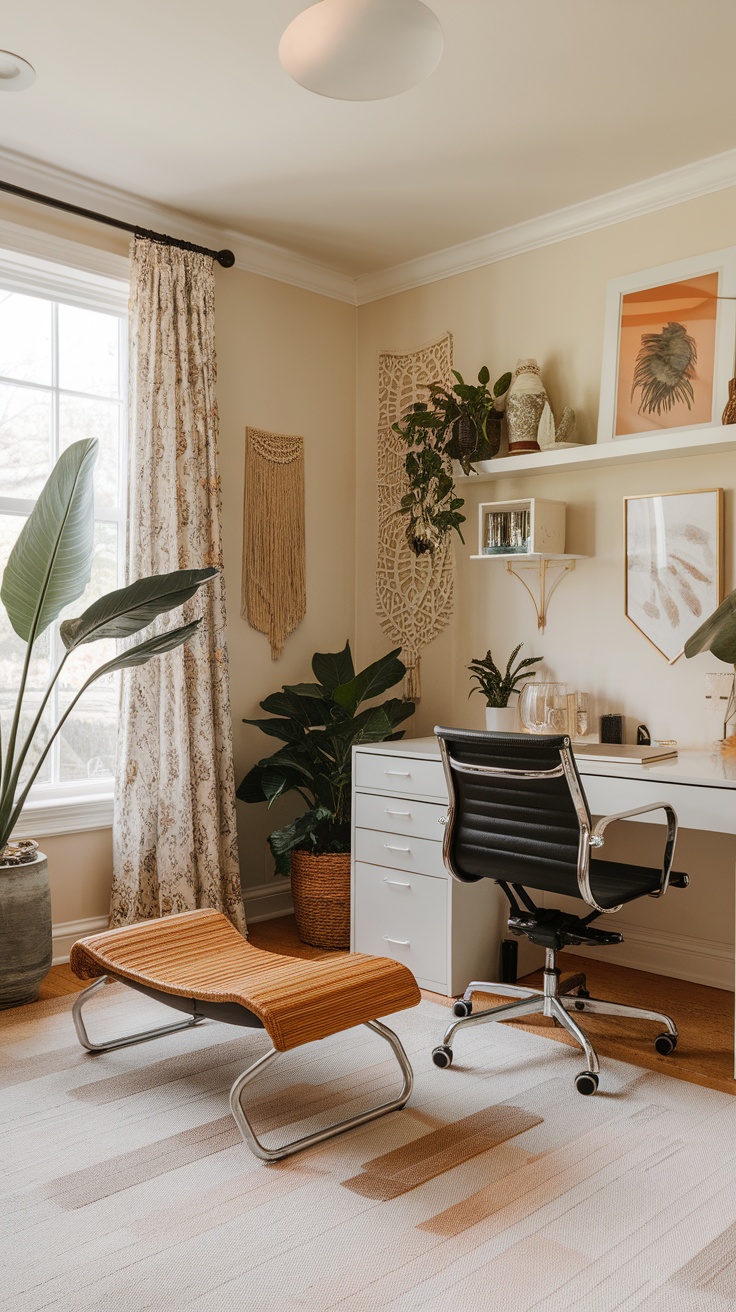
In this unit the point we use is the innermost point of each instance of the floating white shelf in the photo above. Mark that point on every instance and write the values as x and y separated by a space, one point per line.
521 556
622 451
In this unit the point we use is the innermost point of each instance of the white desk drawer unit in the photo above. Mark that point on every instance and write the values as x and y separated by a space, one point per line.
405 905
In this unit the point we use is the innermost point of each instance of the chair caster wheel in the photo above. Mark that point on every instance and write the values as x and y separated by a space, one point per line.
665 1044
582 993
442 1056
462 1008
586 1082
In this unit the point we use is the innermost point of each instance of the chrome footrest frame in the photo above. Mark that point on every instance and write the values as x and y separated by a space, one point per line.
556 1000
126 1040
236 1103
329 1131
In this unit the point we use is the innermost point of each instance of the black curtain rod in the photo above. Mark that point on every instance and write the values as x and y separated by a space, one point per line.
225 258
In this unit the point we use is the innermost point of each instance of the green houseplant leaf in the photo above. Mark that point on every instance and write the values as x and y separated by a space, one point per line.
51 562
319 733
47 569
717 634
126 611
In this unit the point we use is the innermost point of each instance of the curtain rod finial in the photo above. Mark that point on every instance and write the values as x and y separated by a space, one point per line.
226 259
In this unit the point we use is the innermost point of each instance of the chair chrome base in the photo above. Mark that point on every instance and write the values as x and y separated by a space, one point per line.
236 1104
557 1000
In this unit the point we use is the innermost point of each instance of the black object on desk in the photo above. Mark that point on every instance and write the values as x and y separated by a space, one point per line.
612 728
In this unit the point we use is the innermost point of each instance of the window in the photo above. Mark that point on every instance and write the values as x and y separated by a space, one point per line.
62 378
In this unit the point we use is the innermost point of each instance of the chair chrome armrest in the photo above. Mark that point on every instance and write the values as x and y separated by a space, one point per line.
599 829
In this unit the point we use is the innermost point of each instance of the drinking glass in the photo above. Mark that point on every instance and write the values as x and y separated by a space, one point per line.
535 704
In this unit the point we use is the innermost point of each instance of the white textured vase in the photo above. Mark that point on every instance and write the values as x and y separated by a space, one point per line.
525 402
501 719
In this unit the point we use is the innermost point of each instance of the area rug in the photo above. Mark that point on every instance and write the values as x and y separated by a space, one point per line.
126 1186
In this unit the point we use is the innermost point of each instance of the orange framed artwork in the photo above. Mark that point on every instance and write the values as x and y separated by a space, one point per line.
669 341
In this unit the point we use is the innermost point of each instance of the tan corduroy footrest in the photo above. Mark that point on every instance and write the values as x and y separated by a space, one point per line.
199 964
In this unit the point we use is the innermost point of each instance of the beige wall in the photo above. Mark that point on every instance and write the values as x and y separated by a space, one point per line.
286 362
549 304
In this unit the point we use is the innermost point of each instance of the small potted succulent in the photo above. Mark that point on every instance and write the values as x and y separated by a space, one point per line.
498 688
460 423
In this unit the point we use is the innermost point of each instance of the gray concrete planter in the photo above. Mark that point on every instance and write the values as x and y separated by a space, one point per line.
25 930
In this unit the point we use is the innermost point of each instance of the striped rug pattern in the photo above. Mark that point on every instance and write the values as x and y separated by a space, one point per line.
126 1187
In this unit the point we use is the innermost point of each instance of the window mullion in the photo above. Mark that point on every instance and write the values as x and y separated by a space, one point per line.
55 643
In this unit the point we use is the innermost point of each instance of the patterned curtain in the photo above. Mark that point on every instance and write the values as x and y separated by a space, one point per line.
174 834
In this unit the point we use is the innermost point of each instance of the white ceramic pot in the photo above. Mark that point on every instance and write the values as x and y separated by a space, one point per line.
525 402
501 719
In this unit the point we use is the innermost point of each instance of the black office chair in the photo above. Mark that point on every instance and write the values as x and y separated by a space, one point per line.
518 815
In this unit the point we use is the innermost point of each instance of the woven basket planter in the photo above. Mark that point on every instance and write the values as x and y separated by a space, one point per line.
320 888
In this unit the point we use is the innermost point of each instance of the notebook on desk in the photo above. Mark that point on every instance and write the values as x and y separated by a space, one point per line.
622 753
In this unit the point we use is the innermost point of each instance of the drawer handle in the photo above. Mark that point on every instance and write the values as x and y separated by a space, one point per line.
400 774
406 814
395 883
391 848
400 942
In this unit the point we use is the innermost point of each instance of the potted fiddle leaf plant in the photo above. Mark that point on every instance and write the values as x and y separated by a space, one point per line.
498 688
462 423
319 724
48 568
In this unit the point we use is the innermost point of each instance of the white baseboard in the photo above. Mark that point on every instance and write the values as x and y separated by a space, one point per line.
263 902
677 955
65 935
268 901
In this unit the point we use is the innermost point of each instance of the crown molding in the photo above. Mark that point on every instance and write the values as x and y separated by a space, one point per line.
251 254
683 184
255 256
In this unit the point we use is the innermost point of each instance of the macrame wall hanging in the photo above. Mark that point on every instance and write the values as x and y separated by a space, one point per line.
274 590
414 593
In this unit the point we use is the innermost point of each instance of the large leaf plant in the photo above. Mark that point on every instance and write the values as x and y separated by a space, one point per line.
717 635
319 724
48 568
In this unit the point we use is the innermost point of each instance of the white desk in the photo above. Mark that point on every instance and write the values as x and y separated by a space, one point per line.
700 785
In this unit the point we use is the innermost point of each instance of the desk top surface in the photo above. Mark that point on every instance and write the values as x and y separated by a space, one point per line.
704 768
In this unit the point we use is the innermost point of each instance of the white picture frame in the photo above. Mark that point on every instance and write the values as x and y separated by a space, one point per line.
717 349
673 564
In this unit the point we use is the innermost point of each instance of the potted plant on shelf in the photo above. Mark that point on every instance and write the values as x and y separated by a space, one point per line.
319 724
459 423
48 568
498 688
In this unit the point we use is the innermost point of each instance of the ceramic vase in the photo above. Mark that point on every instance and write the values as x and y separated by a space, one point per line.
525 402
501 719
25 930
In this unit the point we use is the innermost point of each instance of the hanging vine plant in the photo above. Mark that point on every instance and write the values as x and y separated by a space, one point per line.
460 423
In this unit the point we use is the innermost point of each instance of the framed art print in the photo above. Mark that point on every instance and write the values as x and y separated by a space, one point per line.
668 350
673 547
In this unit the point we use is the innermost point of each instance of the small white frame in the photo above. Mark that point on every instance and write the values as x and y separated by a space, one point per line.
722 262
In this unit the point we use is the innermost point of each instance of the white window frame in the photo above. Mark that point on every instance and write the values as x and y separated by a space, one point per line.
36 263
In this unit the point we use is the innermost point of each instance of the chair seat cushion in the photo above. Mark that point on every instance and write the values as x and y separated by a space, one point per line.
612 883
199 954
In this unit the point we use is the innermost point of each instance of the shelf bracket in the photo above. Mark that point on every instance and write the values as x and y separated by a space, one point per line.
546 589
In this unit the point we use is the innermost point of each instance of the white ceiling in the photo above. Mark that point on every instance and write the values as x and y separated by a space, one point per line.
536 105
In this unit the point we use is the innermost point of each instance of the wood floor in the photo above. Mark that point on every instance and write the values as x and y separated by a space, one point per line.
704 1016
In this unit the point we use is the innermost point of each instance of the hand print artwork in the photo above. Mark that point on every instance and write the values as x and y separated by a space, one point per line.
673 564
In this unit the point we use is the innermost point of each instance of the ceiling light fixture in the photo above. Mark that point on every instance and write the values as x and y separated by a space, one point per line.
15 73
362 49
